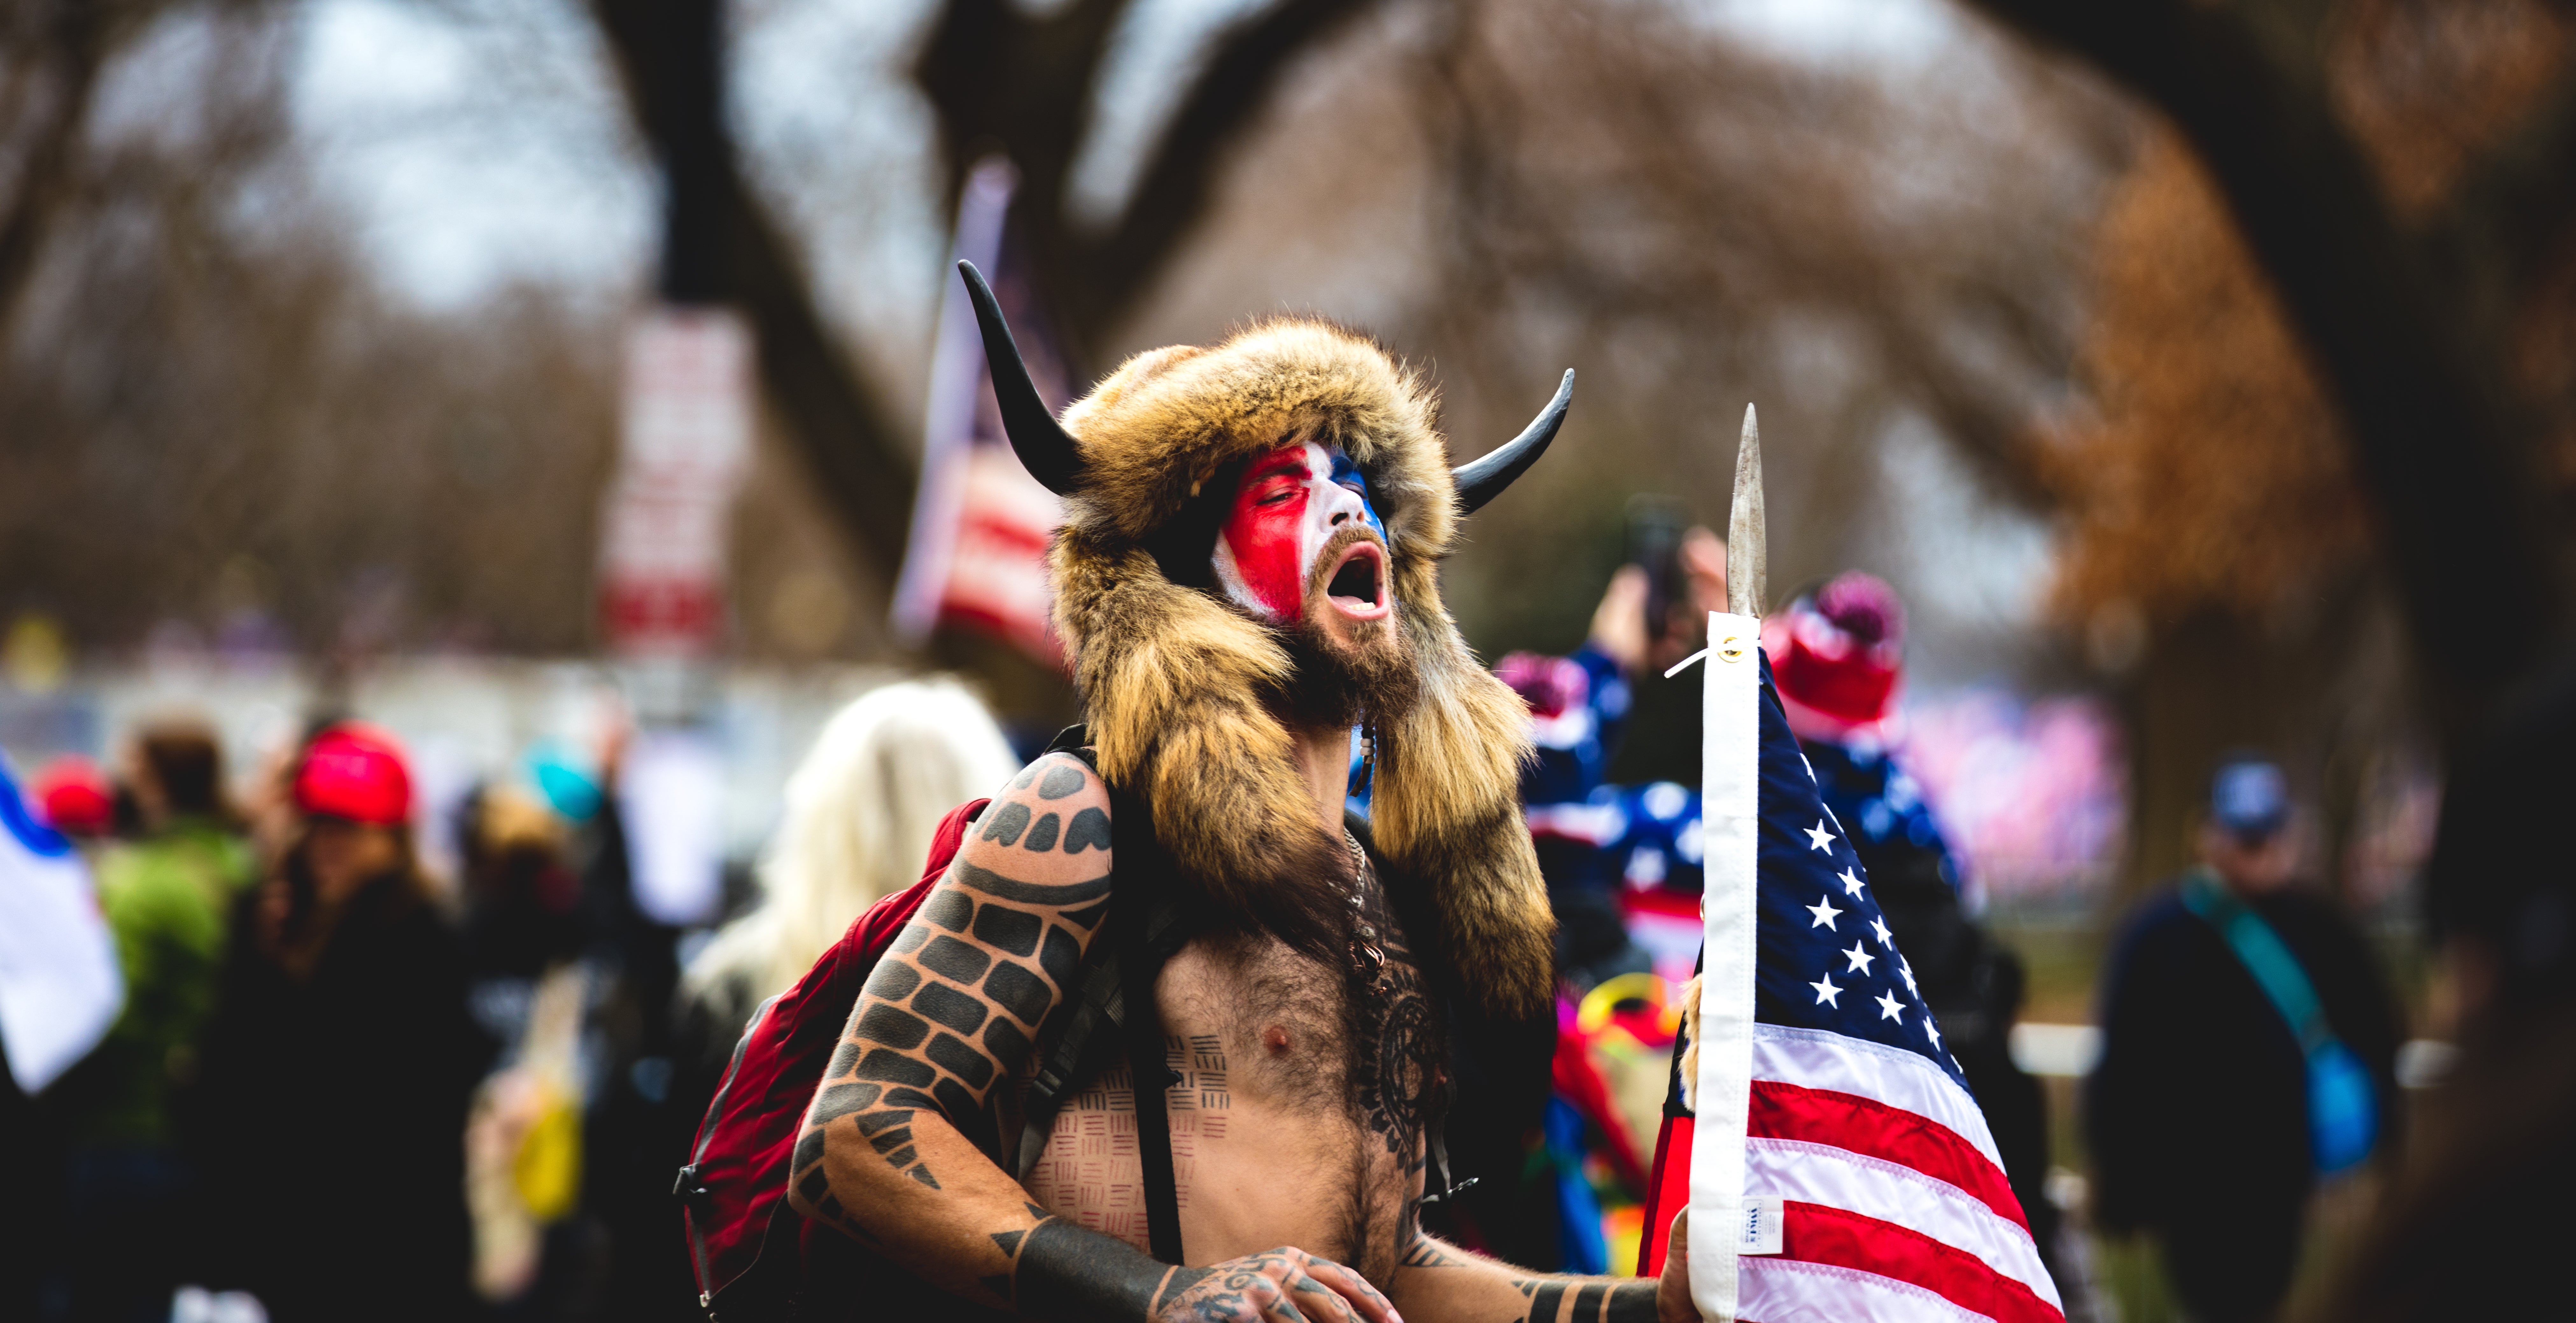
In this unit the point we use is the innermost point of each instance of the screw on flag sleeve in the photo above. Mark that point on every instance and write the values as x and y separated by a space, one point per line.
1834 1163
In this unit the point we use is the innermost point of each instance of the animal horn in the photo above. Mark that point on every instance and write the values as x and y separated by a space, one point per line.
1745 535
1042 444
1483 479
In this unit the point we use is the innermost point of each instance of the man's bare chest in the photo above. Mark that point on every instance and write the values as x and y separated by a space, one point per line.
1299 1110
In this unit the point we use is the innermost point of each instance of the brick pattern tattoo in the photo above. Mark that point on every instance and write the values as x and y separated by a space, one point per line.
946 1021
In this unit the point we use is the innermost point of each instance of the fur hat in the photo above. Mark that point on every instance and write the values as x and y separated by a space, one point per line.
1183 688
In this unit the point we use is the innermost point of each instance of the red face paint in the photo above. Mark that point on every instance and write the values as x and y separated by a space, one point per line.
1291 501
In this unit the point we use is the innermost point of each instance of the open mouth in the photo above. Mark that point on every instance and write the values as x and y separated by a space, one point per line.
1358 586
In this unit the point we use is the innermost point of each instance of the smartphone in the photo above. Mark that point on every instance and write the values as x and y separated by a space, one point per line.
1655 526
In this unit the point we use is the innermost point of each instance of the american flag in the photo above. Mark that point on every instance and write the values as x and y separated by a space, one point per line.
976 557
1836 1166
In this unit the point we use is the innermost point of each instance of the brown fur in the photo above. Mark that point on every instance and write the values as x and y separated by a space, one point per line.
1183 688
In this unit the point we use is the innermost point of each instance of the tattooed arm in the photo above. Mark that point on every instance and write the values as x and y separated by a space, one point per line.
1442 1283
927 1080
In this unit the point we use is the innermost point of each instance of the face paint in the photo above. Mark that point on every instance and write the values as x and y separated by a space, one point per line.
1291 502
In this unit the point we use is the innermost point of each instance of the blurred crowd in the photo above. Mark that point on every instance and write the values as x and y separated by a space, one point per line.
340 1086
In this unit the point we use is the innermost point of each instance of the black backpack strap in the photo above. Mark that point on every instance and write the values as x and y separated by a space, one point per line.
1152 1072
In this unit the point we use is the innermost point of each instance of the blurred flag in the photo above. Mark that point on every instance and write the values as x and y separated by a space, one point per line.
980 523
59 986
1836 1167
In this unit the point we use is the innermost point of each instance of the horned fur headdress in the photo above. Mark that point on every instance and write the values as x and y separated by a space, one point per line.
1183 688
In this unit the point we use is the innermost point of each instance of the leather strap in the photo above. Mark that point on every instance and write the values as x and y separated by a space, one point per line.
1154 1079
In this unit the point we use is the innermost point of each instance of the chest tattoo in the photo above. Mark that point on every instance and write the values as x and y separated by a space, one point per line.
1396 1040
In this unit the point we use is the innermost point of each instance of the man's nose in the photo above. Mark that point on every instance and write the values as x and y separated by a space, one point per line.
1345 505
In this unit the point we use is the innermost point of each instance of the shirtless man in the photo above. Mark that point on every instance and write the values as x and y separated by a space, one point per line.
1237 605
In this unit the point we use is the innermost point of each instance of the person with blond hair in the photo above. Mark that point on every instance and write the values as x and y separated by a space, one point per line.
860 812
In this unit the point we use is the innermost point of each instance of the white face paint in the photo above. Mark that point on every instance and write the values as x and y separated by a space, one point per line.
1290 503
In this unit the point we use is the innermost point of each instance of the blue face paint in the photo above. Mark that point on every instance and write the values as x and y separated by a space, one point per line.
1348 474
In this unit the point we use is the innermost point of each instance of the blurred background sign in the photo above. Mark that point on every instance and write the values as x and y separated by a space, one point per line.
684 444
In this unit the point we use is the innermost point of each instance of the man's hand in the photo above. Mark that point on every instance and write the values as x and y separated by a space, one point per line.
1619 627
1276 1286
1672 1293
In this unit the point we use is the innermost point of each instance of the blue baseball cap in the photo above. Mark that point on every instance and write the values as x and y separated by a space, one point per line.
2249 798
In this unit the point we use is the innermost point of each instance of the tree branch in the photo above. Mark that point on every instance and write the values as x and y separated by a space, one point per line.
77 43
1220 105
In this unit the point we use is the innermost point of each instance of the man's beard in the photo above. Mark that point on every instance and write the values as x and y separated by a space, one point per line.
1370 678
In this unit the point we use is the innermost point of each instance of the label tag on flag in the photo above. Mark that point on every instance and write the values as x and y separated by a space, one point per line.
1762 1219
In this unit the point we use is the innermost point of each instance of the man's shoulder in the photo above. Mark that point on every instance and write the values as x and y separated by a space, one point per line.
1044 823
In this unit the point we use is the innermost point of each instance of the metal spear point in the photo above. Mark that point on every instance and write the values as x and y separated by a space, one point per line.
1744 530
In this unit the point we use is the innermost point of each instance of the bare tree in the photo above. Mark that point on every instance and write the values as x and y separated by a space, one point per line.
723 245
1500 191
998 77
212 420
1002 78
51 53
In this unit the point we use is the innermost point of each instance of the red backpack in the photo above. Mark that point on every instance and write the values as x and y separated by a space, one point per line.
736 1182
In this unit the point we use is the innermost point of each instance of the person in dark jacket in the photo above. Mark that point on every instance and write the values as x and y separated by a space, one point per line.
338 1067
2199 1113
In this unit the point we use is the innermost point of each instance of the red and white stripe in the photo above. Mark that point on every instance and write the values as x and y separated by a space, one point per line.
1894 1194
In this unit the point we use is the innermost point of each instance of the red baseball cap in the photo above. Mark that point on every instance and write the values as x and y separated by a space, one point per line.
355 771
74 797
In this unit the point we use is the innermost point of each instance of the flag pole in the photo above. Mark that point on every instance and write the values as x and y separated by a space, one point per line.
1718 1063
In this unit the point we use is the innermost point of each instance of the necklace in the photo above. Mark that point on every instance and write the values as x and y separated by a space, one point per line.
1366 957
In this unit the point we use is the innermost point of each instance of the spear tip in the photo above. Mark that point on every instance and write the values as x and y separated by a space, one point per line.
1745 534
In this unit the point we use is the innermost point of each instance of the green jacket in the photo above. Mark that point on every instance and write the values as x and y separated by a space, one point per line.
168 900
